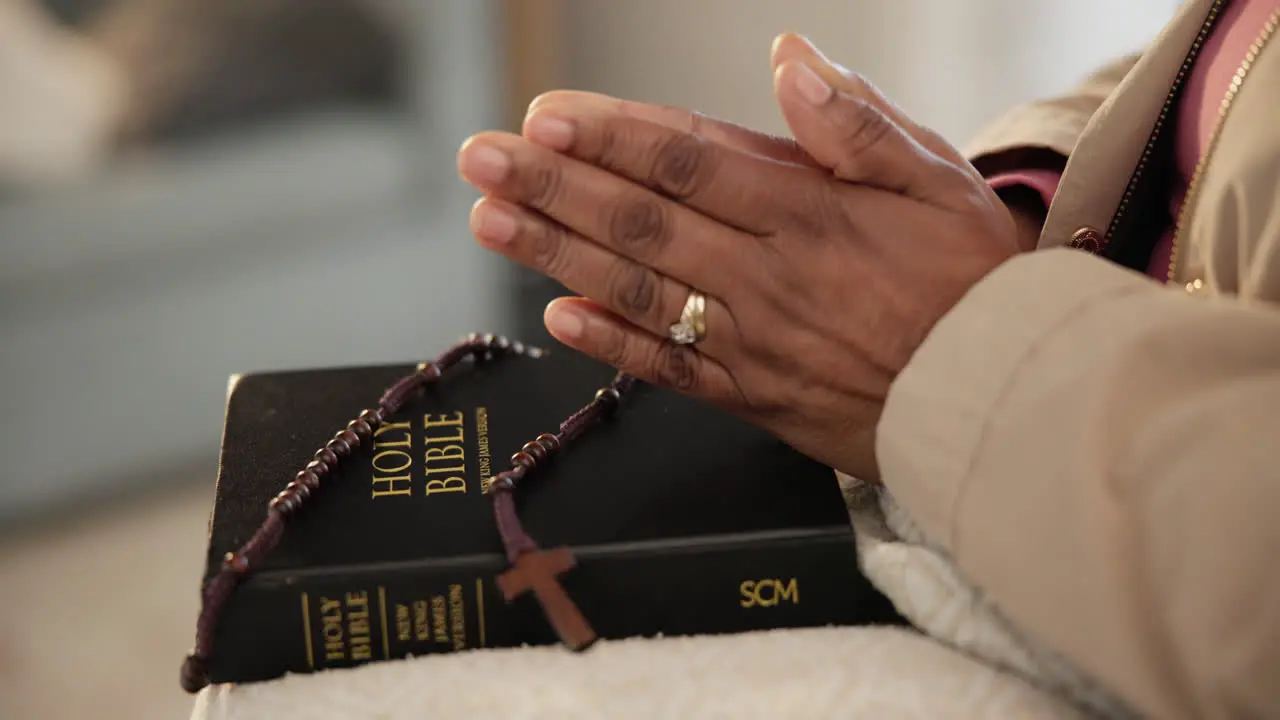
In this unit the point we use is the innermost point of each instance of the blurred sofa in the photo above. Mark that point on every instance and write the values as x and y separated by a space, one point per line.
327 237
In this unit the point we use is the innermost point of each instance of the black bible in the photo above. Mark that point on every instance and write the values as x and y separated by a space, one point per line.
683 519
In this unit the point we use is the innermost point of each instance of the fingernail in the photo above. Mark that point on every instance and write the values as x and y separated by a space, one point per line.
493 223
796 37
549 131
483 164
823 57
564 322
812 87
777 43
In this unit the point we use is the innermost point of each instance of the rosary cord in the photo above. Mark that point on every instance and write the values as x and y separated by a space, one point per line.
515 540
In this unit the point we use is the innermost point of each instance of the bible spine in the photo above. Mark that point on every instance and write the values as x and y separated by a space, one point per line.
309 620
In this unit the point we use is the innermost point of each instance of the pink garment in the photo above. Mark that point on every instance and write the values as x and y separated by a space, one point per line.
1196 115
1043 182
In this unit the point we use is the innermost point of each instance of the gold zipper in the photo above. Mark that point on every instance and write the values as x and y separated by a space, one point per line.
1176 253
1175 88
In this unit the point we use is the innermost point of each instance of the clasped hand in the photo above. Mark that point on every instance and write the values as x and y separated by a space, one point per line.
825 261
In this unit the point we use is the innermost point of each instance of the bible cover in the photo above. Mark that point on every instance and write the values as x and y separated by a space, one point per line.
684 520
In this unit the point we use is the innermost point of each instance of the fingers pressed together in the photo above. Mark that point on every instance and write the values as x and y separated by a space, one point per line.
610 206
634 206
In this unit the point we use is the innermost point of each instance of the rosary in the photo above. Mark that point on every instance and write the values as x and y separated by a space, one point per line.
531 568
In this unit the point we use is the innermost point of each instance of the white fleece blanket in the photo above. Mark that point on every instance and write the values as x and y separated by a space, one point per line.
968 664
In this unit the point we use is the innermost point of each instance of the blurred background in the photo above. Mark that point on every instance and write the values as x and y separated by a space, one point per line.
192 189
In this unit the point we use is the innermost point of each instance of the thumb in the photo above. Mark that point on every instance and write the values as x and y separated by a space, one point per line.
790 47
858 140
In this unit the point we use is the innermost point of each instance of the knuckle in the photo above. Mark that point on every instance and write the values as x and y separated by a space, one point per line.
675 366
680 165
857 86
615 349
639 225
610 139
541 186
862 127
550 249
633 289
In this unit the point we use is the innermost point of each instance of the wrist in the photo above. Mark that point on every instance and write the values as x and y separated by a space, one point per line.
1027 208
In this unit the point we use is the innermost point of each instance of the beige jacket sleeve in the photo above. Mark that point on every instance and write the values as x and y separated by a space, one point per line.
1100 455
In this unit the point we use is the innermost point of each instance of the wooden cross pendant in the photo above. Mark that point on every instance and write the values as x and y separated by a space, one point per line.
537 571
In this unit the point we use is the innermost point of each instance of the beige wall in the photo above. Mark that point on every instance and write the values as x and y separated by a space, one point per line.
951 63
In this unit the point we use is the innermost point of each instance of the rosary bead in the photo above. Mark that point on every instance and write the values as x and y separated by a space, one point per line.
236 563
523 459
502 481
488 339
504 344
361 429
195 674
608 397
538 452
351 439
327 456
297 487
373 417
284 503
549 441
278 502
338 447
318 467
308 478
429 370
455 354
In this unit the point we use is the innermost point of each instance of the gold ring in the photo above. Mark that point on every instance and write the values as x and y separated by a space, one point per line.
692 327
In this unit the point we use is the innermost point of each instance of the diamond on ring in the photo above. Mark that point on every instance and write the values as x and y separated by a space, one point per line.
683 334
